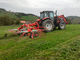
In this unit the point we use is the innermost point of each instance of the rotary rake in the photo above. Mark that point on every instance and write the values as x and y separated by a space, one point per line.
32 30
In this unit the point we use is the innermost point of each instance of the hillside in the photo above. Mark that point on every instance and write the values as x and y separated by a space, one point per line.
74 19
16 15
32 17
55 45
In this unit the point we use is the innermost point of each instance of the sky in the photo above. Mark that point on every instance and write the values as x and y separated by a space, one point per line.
65 7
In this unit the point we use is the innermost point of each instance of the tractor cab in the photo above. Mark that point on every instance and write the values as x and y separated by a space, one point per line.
45 14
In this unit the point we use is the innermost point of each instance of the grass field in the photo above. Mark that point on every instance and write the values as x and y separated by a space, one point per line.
30 17
56 45
11 15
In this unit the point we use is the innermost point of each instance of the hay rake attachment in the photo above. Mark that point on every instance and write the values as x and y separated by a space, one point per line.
32 30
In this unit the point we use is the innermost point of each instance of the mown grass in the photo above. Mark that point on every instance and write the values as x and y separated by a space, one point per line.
56 45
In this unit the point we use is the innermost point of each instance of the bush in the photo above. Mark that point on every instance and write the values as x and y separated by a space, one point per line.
17 22
6 20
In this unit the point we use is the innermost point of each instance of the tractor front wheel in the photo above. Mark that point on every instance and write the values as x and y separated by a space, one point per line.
61 25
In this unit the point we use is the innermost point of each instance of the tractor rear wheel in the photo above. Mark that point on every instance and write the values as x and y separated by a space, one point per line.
61 25
48 25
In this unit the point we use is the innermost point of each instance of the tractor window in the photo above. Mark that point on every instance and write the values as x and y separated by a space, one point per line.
41 16
51 14
45 14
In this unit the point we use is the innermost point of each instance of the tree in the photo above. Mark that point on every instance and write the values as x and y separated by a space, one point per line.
17 21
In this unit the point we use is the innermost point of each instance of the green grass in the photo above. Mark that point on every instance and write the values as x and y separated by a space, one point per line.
11 15
30 17
56 45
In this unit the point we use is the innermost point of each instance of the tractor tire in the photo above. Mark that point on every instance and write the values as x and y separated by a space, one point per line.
48 25
61 25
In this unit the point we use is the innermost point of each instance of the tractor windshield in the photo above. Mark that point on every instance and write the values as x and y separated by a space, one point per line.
41 16
51 14
45 14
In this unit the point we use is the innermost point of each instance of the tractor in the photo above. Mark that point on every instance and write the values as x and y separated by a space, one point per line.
50 22
47 23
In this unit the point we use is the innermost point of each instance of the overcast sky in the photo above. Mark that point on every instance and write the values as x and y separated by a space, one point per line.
66 7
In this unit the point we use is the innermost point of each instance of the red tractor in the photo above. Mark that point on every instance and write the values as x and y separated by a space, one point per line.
47 22
50 22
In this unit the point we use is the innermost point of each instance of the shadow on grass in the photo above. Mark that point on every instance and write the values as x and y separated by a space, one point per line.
6 36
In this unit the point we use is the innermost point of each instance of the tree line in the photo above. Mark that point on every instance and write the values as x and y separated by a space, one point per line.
69 21
6 20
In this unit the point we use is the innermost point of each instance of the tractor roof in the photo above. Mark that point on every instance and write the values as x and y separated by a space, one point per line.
46 11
